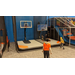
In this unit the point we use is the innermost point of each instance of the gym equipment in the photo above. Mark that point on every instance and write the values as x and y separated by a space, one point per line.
35 43
42 27
25 24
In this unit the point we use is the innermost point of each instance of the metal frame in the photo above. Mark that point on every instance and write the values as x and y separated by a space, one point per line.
63 20
58 33
63 35
15 33
70 32
54 29
50 28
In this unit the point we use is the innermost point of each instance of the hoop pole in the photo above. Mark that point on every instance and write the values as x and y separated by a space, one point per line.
25 34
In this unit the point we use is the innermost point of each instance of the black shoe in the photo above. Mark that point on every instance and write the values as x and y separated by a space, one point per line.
0 55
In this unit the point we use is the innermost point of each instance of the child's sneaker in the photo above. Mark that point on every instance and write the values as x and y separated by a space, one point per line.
0 55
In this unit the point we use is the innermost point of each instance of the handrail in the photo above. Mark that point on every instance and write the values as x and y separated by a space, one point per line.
70 23
62 22
65 20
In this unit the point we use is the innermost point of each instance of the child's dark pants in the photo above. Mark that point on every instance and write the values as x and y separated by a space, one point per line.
46 54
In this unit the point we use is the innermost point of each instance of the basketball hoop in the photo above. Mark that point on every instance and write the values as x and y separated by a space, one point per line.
26 24
42 27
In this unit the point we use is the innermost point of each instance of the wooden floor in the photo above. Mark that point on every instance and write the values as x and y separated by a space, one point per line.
36 43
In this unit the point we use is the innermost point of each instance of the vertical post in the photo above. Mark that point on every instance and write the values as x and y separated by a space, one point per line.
25 34
69 37
63 33
48 21
14 28
54 22
34 26
47 25
58 33
50 27
4 32
54 28
15 32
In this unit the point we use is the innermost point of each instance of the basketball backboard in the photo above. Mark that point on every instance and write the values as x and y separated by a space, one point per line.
25 24
42 27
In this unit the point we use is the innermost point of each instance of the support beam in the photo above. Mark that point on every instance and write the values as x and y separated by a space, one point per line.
15 32
14 28
54 29
58 33
69 37
66 27
50 28
63 33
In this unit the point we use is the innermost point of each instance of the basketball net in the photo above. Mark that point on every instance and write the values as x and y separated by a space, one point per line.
25 26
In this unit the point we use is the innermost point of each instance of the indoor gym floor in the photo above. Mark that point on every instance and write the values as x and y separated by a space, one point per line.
36 43
68 52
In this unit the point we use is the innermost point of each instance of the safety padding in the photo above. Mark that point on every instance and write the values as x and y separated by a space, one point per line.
21 46
72 37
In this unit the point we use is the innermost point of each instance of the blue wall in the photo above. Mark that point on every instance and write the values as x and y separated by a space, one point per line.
9 27
20 31
31 33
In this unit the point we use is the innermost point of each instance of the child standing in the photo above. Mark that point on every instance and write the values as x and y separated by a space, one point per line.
42 38
61 43
46 49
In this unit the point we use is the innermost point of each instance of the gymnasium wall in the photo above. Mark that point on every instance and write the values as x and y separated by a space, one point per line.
20 31
31 33
9 27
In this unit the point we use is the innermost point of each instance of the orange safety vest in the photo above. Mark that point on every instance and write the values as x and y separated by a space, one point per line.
7 39
46 46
